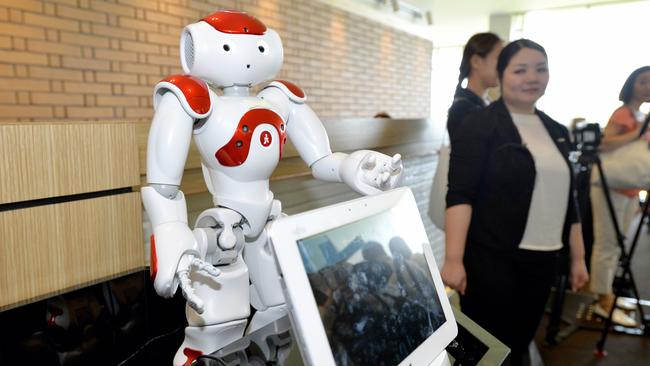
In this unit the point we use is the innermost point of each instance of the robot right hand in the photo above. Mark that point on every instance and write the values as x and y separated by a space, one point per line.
217 233
174 253
188 263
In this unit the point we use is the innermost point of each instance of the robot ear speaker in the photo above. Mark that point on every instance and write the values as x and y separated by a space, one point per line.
188 51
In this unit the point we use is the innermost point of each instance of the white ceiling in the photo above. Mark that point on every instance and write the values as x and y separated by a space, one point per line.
452 10
453 20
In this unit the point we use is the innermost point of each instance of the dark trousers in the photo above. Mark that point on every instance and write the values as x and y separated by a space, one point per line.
506 293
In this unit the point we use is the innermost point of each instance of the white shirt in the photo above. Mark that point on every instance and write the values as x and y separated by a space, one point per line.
548 205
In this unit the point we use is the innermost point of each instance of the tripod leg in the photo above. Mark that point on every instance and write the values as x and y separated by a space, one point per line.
642 320
620 238
600 346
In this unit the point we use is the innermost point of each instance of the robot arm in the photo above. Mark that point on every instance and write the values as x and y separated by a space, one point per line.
174 250
365 171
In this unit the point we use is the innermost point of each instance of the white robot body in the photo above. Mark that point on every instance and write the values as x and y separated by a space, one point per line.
226 264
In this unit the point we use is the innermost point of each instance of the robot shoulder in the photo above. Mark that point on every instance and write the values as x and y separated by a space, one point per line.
193 93
291 90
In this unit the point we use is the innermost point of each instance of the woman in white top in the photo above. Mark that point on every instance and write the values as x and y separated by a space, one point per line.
511 205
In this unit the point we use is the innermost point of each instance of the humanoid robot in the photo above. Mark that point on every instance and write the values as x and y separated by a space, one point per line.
226 264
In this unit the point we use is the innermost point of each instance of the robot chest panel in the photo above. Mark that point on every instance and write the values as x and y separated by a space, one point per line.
242 134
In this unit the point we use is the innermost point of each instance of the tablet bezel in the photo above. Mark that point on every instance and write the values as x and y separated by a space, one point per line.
306 321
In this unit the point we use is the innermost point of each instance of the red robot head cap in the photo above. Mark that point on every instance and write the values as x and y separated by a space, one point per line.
235 22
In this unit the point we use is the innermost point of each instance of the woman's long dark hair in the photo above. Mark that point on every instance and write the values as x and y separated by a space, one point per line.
511 49
627 91
479 44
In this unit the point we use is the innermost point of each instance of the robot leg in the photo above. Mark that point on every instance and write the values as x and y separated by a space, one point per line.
268 328
204 340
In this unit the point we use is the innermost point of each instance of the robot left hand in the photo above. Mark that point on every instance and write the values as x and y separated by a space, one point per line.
369 172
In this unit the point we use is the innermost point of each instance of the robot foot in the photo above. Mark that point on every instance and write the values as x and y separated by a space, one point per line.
204 340
273 341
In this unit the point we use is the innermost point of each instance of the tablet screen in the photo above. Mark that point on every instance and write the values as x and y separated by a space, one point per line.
373 288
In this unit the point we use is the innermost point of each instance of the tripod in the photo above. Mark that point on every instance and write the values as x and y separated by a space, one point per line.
624 278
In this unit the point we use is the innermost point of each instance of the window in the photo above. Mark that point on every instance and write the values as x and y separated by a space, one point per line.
444 78
591 52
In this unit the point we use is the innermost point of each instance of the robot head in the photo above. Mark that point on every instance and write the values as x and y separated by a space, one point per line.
230 48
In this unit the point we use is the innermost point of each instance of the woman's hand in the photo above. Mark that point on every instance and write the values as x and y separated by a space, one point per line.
453 275
579 275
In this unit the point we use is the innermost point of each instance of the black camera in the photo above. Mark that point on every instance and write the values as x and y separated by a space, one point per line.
586 137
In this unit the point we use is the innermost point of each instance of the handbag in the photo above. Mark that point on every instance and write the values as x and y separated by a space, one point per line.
438 194
437 197
627 166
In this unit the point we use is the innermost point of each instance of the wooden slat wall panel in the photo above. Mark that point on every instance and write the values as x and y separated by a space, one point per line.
50 249
42 160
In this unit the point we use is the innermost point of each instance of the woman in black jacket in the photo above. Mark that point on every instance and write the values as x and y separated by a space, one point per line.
479 67
511 204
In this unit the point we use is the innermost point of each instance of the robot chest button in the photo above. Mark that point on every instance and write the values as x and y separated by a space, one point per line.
266 139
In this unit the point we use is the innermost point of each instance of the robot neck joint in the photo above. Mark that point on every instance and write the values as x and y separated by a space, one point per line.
236 91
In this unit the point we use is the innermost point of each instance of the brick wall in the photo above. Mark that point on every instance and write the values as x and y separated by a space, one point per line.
91 59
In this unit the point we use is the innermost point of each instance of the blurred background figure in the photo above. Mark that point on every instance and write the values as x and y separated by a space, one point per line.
479 67
382 114
623 128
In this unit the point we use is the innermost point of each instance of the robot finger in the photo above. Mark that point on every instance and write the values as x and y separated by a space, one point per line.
370 163
384 178
188 293
396 164
380 179
205 267
370 176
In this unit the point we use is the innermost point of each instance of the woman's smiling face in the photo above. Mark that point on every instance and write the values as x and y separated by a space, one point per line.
525 78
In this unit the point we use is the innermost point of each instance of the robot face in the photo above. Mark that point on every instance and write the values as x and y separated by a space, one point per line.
227 58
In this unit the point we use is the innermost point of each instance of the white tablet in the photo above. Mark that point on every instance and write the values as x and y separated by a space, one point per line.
362 284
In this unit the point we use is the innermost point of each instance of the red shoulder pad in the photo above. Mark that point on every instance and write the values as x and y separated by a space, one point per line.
195 90
293 88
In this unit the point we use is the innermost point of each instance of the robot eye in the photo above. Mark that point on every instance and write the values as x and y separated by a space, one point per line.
226 47
262 46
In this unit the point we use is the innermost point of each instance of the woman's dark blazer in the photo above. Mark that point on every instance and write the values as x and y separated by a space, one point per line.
491 170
